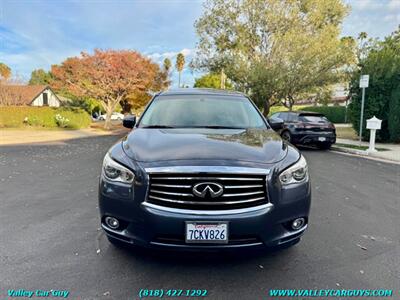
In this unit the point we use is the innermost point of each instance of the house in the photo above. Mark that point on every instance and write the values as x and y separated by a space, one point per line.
33 95
340 97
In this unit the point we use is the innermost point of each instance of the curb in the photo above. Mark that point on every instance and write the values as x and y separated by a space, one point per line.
349 150
362 154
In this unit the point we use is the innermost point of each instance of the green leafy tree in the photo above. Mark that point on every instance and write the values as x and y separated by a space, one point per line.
274 50
210 81
5 71
40 77
382 64
180 64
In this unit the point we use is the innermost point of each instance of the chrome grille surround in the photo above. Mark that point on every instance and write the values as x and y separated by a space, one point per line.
171 188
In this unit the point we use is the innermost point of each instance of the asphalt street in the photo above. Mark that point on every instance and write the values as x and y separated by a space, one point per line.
50 236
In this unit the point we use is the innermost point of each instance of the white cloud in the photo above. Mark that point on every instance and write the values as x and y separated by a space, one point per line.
394 5
186 51
392 17
159 57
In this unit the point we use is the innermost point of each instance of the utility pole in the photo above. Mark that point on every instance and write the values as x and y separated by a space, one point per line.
364 80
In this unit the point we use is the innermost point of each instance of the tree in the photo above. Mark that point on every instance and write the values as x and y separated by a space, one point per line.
164 80
167 64
210 81
180 64
5 71
275 50
106 75
382 64
40 77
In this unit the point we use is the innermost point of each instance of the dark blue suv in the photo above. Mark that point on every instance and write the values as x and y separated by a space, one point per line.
203 170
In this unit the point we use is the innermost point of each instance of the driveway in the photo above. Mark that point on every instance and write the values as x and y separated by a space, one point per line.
50 237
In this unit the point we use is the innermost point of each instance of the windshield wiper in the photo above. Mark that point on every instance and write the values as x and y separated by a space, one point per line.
157 126
220 127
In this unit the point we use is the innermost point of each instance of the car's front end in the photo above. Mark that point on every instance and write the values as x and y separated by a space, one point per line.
244 189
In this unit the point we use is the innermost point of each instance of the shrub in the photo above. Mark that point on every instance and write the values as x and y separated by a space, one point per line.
335 114
61 121
20 116
277 108
394 116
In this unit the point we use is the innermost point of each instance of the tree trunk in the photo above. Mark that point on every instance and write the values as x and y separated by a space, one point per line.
179 80
107 124
266 108
109 110
290 103
222 79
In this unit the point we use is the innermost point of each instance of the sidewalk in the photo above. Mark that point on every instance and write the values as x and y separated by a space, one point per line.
392 153
29 136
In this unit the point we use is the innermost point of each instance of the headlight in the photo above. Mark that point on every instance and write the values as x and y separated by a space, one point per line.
296 173
116 172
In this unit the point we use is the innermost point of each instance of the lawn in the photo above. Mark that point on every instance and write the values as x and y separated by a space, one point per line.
346 133
43 117
358 147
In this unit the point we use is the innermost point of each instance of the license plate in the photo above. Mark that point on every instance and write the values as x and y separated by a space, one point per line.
206 232
322 139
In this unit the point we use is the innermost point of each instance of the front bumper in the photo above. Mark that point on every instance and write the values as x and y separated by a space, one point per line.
149 225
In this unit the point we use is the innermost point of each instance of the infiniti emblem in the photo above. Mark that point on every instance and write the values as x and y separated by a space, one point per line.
214 189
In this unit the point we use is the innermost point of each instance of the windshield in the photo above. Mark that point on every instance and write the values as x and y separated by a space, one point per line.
313 118
203 111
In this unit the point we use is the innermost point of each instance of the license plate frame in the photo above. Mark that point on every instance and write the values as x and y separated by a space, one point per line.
223 224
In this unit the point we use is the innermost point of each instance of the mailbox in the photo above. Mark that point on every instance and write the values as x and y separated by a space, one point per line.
374 123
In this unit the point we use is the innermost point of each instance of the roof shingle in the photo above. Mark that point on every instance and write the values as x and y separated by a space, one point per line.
23 94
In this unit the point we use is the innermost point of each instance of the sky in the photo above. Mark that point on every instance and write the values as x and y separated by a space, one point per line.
36 34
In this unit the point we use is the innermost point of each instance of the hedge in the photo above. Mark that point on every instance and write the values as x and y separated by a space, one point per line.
47 117
335 114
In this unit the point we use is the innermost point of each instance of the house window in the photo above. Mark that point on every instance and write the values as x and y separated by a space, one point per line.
45 99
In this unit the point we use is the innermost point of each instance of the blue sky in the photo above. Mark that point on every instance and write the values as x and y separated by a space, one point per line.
36 34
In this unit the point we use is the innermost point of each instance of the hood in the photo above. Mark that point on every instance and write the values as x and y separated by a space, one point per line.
252 145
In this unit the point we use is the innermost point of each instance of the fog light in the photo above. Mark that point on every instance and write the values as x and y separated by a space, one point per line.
298 223
111 222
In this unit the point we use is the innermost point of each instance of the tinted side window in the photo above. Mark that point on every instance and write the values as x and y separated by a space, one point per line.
276 115
292 117
283 116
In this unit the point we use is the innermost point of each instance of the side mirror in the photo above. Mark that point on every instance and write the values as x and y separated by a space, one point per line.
129 121
276 123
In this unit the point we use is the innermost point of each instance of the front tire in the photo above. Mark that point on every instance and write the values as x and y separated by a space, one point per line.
286 136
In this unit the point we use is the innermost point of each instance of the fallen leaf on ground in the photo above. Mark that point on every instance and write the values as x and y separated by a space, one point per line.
362 247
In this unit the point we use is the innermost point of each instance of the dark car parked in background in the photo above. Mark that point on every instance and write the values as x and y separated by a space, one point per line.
307 128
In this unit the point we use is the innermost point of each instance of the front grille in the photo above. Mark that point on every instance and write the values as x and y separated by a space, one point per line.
232 240
176 191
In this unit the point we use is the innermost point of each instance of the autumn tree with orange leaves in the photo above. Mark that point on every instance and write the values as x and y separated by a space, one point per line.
109 76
